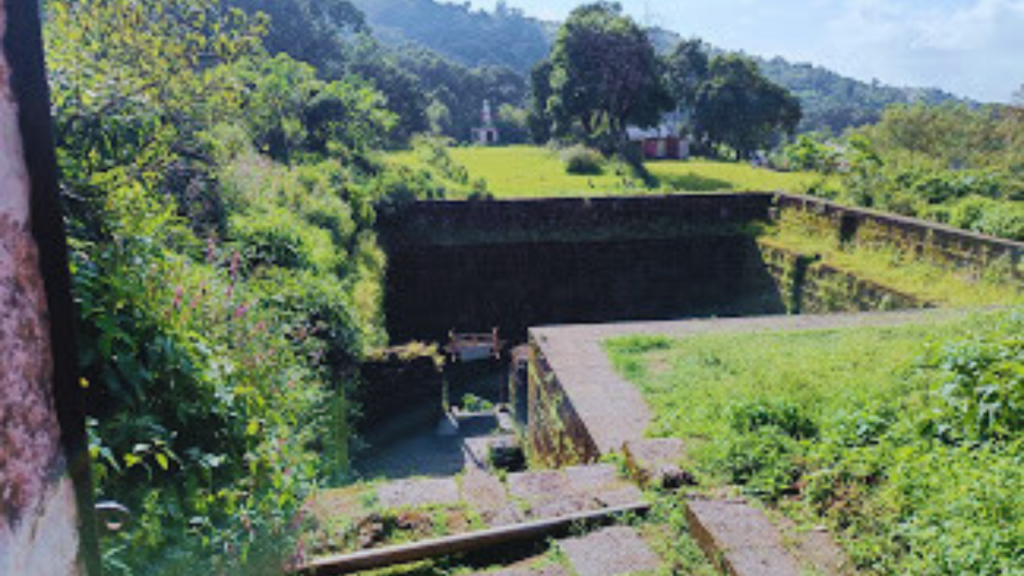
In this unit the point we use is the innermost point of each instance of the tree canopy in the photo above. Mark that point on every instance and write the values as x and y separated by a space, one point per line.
740 108
604 74
686 68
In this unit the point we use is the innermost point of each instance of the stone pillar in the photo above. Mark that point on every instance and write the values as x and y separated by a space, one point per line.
46 521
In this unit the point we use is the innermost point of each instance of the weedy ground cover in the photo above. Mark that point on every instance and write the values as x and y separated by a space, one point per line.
906 441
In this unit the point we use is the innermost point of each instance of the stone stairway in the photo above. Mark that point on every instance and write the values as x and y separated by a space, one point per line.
484 509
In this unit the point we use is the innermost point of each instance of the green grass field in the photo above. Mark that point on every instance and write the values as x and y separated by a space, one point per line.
869 431
536 172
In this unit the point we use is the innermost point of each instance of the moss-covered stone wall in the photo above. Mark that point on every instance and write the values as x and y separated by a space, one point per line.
937 243
808 285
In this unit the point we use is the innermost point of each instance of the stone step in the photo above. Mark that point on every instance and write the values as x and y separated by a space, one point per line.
739 539
612 551
369 516
550 493
538 566
415 492
486 495
657 462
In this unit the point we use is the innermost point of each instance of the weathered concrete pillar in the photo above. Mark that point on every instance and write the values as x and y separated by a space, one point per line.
46 520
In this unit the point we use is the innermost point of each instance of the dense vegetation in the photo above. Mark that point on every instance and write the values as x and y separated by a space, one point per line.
905 440
222 167
221 203
951 164
833 103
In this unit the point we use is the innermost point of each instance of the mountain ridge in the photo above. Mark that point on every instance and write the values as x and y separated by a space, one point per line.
509 37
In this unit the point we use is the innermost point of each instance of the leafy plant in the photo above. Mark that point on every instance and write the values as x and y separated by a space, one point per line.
582 160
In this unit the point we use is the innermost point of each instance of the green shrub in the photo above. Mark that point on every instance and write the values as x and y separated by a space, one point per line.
581 160
787 417
762 462
202 405
810 155
1002 219
277 237
978 389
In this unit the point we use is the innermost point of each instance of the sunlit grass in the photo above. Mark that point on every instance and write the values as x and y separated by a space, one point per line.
703 175
532 172
537 172
692 382
870 468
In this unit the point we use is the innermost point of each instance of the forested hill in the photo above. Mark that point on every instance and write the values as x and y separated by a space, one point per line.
508 37
504 37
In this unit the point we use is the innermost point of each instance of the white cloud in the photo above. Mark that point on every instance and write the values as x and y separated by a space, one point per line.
974 48
970 47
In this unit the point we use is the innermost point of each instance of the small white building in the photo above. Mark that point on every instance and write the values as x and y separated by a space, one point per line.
487 133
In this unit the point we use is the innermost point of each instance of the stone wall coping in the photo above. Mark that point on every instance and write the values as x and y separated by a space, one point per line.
828 207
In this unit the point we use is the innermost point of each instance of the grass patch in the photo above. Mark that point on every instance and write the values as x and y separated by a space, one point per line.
897 268
874 431
712 176
537 172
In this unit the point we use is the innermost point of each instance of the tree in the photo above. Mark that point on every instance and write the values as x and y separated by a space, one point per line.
456 93
604 75
686 69
740 108
134 84
539 119
312 31
405 96
290 111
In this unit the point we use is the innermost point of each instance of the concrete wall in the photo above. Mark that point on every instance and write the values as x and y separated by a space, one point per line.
555 433
397 395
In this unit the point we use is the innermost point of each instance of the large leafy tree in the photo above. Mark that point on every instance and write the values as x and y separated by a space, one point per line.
539 119
604 74
134 84
686 69
739 108
456 93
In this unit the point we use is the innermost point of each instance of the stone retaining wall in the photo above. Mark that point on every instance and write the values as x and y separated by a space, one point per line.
941 244
555 433
448 223
808 285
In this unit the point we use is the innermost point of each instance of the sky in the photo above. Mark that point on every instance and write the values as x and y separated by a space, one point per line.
971 48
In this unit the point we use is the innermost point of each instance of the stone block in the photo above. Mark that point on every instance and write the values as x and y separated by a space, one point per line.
739 538
486 495
418 492
656 462
610 552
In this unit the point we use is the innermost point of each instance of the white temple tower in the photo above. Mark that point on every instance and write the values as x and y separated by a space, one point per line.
487 133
